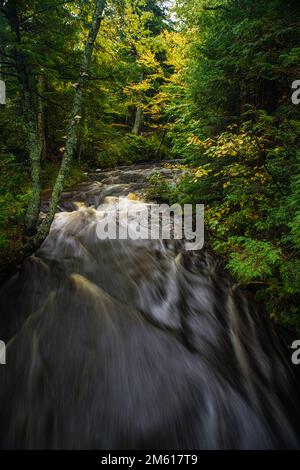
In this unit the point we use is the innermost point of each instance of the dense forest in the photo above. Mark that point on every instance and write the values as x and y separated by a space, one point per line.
205 84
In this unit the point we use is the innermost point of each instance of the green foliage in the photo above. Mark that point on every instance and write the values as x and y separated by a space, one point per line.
252 259
14 198
236 127
161 190
128 149
248 178
75 176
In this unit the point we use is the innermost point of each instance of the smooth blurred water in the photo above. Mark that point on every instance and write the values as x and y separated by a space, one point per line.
136 344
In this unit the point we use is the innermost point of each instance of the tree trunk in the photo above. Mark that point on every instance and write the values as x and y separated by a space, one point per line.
27 83
138 121
75 117
138 115
37 151
81 133
41 117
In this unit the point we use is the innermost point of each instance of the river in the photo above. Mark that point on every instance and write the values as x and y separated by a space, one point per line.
136 344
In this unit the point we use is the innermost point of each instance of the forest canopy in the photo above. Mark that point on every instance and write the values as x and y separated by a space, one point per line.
99 84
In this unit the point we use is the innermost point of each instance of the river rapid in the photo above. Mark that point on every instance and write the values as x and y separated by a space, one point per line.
136 344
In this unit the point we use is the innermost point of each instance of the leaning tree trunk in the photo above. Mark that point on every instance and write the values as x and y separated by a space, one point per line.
75 118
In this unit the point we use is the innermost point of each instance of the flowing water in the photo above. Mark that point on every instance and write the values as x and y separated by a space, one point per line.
136 344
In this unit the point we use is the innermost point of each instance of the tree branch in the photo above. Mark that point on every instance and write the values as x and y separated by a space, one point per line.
43 10
49 101
9 74
217 7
